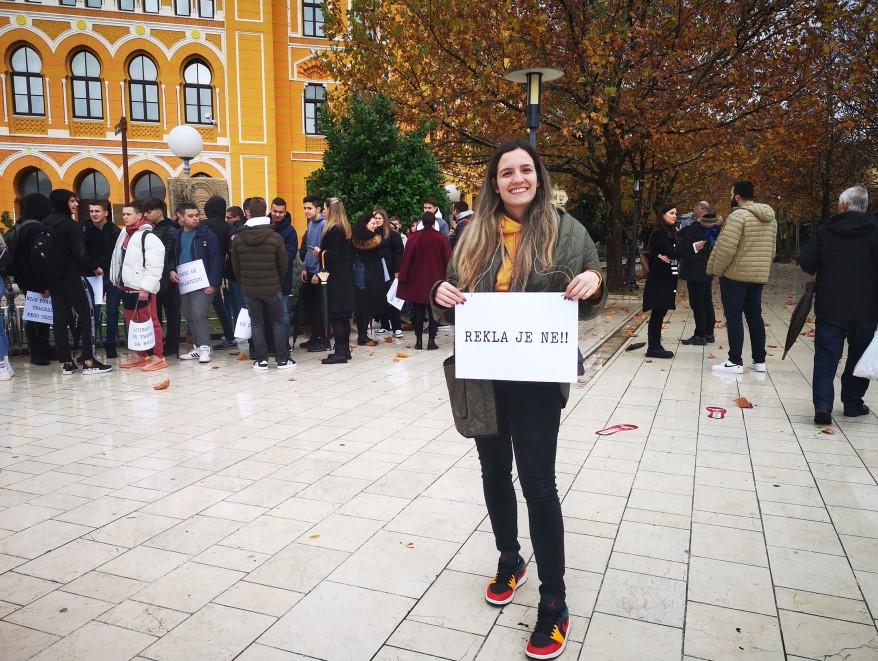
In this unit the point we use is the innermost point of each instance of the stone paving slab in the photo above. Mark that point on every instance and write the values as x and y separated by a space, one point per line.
333 512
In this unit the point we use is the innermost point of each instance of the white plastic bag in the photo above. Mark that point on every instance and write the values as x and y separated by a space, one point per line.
867 366
141 335
392 297
242 325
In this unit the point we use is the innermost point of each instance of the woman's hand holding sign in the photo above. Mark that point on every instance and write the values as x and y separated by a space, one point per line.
584 286
447 295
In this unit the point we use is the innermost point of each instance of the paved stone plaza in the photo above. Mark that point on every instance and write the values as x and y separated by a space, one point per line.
333 512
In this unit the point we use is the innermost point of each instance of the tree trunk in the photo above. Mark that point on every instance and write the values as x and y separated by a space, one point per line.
613 194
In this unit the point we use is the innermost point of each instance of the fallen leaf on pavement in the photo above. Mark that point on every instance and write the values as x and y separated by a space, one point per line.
243 356
828 430
711 356
401 354
808 334
215 367
647 361
314 537
719 324
773 346
408 545
164 385
388 340
744 403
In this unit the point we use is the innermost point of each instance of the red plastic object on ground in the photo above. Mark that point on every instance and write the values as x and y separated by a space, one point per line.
716 412
615 429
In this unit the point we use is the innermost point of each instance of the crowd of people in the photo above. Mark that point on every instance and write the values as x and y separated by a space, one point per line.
842 256
247 257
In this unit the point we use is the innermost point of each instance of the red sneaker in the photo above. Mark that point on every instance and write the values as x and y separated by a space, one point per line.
506 581
550 634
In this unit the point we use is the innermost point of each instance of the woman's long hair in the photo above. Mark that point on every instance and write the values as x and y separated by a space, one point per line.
336 216
480 243
385 228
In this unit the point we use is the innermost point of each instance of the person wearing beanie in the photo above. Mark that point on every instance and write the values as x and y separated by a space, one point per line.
215 219
69 288
423 264
34 208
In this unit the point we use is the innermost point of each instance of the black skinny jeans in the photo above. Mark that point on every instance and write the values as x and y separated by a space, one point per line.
66 294
423 311
341 333
529 415
654 329
701 302
168 299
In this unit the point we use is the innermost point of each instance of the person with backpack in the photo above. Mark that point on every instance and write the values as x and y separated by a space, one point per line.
34 207
215 220
136 268
59 251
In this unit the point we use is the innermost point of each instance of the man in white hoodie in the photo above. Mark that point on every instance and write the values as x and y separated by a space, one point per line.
137 267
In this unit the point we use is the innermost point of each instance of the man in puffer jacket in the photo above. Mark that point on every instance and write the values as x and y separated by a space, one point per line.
260 262
215 219
136 268
742 259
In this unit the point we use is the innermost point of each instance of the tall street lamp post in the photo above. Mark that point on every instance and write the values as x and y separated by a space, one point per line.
534 79
122 129
635 225
186 143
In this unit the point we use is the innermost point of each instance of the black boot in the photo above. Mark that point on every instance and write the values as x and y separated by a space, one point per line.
659 351
419 344
335 358
431 345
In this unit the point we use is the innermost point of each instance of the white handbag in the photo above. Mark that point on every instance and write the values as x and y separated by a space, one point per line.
242 325
867 366
141 334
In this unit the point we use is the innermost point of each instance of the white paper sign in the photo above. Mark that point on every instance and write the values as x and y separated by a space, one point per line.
141 335
391 295
192 276
37 308
97 287
516 337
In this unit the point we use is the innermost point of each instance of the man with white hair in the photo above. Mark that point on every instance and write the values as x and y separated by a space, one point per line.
844 255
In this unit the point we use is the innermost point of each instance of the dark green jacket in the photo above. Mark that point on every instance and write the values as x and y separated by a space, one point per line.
575 252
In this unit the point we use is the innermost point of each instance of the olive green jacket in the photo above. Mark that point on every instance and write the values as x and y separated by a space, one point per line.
575 252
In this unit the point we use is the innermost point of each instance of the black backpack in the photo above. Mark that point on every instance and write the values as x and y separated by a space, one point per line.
46 256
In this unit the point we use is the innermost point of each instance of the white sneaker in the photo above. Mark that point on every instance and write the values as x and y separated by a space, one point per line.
381 331
729 368
758 367
260 365
192 355
204 354
397 334
6 372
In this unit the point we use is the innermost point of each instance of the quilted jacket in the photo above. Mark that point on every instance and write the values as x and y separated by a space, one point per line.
746 245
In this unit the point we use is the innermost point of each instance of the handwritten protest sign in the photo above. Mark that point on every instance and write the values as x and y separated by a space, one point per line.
97 288
516 337
37 308
192 276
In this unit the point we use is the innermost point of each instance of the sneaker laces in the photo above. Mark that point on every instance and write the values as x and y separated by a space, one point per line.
506 575
547 625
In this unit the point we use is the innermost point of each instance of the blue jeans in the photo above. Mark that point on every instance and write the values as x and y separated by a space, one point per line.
4 341
743 298
114 299
829 340
234 300
285 318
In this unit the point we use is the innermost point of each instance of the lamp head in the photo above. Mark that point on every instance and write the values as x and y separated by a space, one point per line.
185 141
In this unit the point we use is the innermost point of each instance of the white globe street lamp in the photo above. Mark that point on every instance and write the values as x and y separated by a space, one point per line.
453 193
186 143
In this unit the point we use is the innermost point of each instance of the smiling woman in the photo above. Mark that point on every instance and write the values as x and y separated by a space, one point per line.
518 242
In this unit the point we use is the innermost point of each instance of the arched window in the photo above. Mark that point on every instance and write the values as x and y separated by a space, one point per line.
93 186
198 91
148 186
27 82
34 180
87 97
315 97
143 89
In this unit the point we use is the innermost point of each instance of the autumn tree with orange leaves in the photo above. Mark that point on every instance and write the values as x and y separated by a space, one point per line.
663 91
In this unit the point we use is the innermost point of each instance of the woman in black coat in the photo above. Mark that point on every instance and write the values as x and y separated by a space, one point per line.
695 241
336 257
367 237
660 291
391 251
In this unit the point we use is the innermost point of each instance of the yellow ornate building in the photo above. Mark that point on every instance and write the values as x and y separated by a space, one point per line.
243 72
